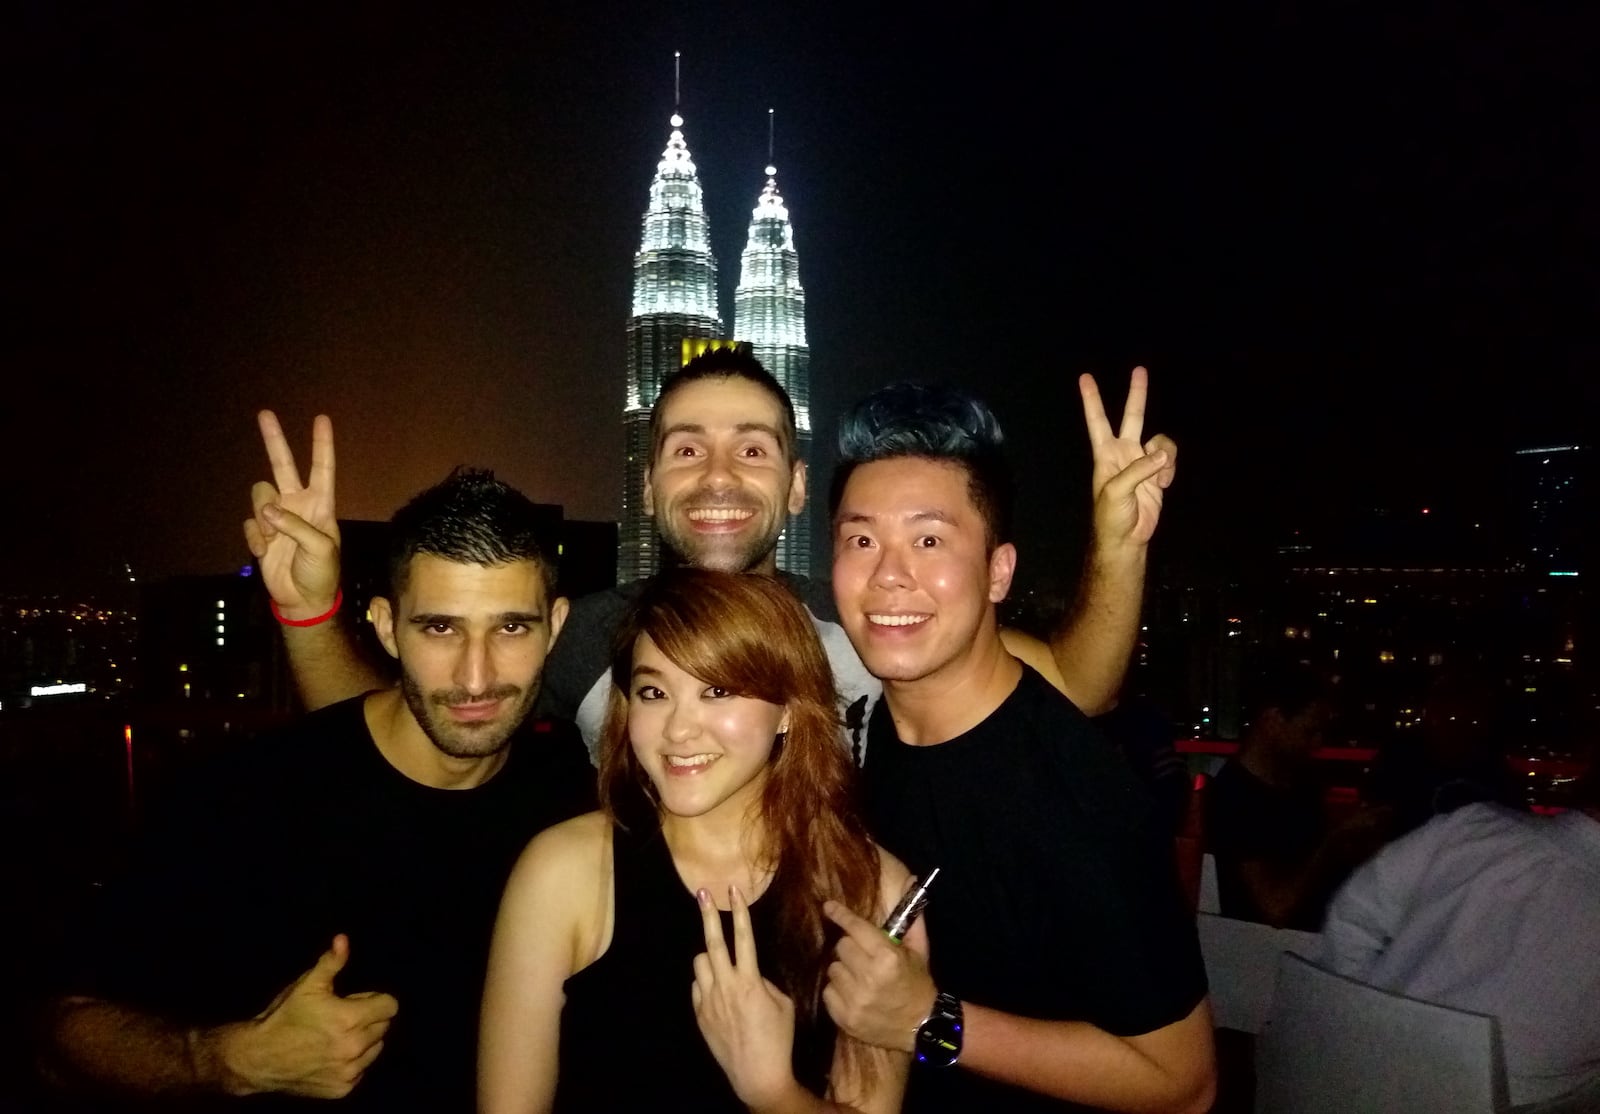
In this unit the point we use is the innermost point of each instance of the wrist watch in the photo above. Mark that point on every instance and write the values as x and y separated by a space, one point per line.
938 1042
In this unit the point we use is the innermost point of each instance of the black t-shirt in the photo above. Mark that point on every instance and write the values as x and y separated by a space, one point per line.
310 832
1056 898
1248 820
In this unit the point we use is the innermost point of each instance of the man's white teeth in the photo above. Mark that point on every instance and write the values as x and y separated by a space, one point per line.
721 514
896 620
691 760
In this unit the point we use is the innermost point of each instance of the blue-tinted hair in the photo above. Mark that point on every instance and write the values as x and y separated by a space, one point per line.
939 423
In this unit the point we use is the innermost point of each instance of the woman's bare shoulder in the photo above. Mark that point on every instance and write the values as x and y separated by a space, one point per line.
893 879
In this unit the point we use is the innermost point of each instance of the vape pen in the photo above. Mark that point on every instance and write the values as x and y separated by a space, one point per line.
910 907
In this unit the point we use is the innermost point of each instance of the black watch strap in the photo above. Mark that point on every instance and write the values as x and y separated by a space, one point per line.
938 1042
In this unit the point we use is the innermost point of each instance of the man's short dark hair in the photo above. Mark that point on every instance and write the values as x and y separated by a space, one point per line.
470 518
725 363
939 423
1290 687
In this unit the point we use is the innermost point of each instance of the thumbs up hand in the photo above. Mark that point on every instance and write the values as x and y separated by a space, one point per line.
309 1041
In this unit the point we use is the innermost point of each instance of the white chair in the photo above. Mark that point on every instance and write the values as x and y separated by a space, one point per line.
1584 1099
1210 896
1241 960
1333 1045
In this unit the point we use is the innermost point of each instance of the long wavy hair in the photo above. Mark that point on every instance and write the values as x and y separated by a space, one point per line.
748 634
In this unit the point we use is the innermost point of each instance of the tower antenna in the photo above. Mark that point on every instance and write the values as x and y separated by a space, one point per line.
677 73
769 136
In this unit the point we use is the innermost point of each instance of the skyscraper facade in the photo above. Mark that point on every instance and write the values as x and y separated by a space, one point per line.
674 298
1553 517
769 311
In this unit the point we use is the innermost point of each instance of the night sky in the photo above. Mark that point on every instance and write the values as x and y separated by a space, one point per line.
1357 245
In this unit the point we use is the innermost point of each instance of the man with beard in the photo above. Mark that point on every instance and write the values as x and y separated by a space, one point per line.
724 477
377 831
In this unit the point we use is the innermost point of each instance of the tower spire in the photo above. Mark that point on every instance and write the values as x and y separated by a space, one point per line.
677 80
770 313
674 300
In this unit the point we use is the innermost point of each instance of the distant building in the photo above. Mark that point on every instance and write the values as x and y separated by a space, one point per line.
209 640
674 299
1554 495
64 648
588 557
770 313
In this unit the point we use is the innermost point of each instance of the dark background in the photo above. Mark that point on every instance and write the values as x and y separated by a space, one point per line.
1356 244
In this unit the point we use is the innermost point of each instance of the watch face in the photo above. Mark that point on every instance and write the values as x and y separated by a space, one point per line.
939 1039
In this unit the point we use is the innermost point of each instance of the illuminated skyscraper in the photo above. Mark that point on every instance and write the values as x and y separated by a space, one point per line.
674 298
1554 515
769 311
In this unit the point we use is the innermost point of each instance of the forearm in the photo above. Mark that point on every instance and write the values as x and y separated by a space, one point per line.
799 1100
1093 646
109 1046
327 665
1161 1073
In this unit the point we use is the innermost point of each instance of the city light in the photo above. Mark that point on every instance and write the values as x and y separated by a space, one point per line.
57 690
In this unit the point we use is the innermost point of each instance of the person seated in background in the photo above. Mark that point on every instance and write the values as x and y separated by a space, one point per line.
1278 858
724 789
1492 910
377 832
1458 756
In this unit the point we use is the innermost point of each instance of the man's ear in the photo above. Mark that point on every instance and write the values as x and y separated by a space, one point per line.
797 488
1002 567
559 607
383 622
649 497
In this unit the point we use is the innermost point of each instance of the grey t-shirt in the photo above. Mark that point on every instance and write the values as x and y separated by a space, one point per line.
577 678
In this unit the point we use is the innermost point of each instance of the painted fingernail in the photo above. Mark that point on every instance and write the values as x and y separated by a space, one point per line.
703 896
735 893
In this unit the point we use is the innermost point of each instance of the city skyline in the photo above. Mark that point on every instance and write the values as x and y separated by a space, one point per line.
1351 250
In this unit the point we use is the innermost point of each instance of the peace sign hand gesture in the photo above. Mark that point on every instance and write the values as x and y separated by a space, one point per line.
1130 477
747 1022
294 532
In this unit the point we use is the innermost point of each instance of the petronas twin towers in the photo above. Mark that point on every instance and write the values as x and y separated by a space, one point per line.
675 300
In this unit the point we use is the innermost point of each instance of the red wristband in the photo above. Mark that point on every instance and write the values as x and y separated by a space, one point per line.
338 598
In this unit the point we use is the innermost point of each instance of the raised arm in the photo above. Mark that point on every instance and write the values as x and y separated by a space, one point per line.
294 535
881 994
1089 652
308 1042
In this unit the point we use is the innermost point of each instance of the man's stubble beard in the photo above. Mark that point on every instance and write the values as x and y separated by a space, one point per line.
744 557
466 742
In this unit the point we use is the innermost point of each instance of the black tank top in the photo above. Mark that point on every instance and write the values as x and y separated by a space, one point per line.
628 1035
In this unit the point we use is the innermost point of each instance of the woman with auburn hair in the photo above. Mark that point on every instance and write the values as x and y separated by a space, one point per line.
672 947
